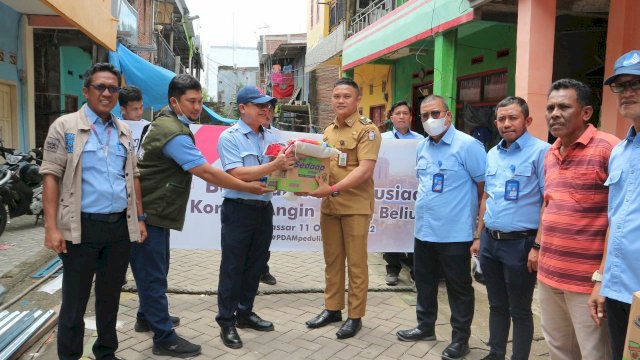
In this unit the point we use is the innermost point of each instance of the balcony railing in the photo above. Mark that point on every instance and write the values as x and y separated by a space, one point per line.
368 15
337 13
166 58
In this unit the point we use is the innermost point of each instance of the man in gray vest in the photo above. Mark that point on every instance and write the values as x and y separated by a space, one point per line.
169 158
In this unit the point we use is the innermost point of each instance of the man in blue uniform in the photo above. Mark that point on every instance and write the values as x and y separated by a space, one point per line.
620 269
401 117
508 225
247 219
450 166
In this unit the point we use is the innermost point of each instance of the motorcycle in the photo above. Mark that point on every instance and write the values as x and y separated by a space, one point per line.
20 185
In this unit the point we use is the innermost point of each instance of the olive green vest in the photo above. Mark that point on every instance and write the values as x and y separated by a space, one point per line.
165 185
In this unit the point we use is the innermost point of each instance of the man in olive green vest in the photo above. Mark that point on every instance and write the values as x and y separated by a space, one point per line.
168 160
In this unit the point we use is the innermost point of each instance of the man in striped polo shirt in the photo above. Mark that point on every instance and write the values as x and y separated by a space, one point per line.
574 223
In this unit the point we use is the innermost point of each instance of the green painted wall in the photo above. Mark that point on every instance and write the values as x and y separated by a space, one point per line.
73 63
485 41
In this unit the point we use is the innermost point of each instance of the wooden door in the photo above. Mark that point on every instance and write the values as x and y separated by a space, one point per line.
7 120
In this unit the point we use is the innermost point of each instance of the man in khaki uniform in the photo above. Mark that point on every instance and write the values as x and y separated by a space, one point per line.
347 206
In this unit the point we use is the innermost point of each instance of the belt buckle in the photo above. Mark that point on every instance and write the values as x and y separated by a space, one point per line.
496 234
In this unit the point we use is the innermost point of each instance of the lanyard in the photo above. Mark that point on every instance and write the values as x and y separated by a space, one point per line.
105 147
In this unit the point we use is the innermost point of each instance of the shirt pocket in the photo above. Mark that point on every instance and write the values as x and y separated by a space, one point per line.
492 171
582 186
523 171
450 167
251 158
615 184
349 147
421 168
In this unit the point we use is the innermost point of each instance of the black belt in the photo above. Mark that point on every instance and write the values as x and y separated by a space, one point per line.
109 218
257 203
513 235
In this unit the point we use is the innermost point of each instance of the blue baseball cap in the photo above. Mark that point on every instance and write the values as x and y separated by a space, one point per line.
251 94
627 64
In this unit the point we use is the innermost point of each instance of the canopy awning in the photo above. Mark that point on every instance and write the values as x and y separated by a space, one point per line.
413 21
153 80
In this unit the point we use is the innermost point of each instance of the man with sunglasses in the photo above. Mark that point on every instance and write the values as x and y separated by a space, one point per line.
92 210
620 269
246 219
169 159
450 167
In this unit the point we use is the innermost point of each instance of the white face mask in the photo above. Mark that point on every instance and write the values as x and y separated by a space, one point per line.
434 127
182 117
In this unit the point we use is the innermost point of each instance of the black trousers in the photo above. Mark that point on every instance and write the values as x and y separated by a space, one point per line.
617 321
103 251
510 291
453 261
245 239
395 260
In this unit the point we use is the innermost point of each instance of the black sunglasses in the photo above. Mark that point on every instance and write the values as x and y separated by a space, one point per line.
102 87
620 87
435 114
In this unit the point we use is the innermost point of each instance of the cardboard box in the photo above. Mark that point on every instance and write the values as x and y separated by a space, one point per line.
632 343
302 178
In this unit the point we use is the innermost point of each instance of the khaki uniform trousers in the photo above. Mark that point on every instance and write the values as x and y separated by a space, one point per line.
345 237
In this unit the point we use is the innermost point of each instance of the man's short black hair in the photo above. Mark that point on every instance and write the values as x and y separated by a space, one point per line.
396 105
99 67
348 82
583 91
510 100
182 83
128 94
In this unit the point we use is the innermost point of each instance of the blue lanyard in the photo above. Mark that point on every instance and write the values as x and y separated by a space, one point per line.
105 147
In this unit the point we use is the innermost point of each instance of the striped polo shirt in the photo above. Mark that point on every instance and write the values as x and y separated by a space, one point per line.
574 222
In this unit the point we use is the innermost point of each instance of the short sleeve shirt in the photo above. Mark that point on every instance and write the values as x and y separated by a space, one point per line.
360 140
574 221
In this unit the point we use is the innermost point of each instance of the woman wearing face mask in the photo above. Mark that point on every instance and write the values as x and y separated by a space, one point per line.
450 166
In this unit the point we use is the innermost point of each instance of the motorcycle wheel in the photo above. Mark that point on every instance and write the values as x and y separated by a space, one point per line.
3 218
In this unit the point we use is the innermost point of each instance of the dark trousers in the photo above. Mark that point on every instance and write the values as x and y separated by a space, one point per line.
150 267
103 251
453 260
245 238
617 320
266 266
510 291
395 260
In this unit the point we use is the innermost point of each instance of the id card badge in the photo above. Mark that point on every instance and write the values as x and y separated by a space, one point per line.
342 160
438 183
511 190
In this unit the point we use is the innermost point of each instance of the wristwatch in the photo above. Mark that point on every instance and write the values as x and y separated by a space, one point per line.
596 277
334 191
142 217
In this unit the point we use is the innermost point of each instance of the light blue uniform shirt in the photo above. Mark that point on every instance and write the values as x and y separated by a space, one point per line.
395 134
449 216
522 161
183 151
240 146
103 184
622 267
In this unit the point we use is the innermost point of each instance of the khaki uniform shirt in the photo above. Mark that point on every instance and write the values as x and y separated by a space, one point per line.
359 139
62 158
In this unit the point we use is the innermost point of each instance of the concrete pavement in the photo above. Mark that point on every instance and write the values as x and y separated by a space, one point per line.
296 298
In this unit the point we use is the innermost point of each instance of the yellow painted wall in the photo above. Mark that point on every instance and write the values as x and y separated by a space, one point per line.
100 25
317 30
371 74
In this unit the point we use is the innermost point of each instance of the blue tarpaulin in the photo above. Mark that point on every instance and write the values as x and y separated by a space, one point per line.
153 80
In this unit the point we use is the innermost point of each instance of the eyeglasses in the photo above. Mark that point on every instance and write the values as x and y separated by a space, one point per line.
435 114
620 87
102 87
267 106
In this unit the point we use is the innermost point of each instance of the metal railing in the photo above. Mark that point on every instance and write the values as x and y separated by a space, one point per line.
166 58
368 15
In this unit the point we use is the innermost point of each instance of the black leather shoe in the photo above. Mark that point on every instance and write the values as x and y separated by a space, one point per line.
268 279
415 335
230 337
455 351
349 329
254 322
180 348
143 326
326 317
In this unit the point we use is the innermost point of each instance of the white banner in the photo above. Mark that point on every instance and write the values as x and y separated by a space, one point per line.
296 224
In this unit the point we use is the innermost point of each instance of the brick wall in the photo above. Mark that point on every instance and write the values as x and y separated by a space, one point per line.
321 80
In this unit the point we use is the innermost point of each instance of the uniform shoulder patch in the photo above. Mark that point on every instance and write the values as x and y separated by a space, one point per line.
372 135
365 121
